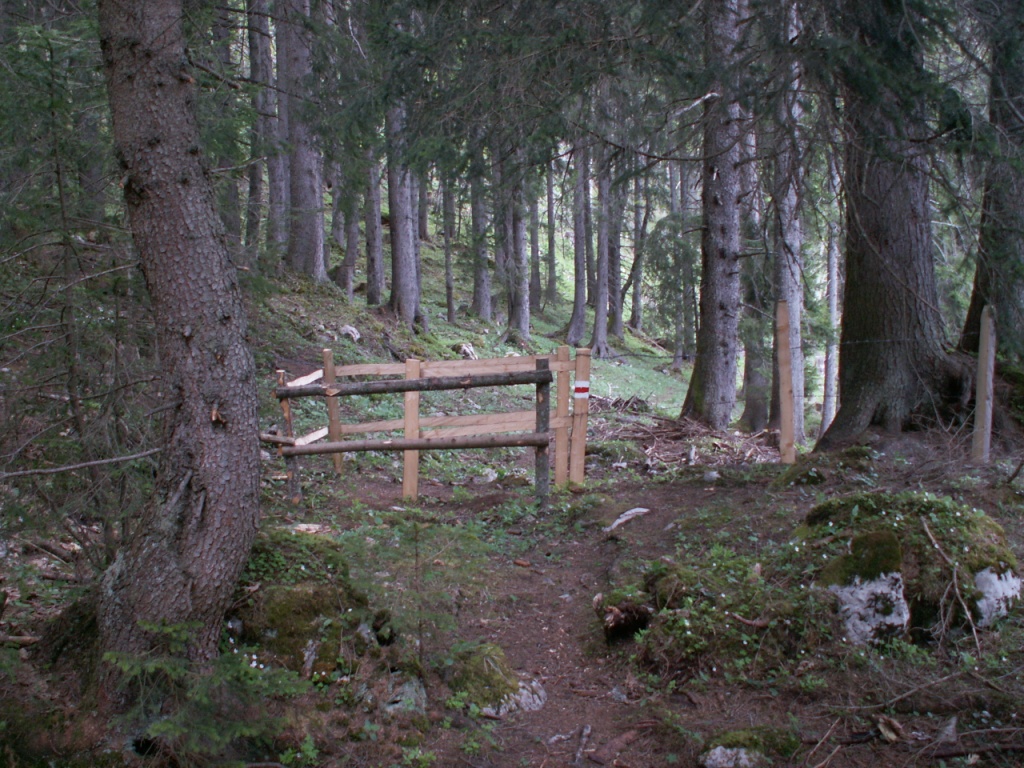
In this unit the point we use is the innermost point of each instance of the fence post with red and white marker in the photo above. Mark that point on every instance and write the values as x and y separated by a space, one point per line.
580 411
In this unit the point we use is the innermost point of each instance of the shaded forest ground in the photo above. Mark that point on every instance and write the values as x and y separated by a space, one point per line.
475 564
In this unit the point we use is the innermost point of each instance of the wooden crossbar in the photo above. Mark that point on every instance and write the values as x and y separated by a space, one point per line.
566 428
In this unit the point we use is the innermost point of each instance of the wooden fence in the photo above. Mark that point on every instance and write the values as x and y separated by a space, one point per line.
567 428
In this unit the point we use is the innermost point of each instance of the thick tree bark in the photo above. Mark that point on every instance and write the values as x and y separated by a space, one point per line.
712 392
891 360
188 548
999 276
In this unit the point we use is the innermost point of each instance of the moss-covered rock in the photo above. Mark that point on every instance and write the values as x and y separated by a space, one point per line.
926 539
483 673
776 742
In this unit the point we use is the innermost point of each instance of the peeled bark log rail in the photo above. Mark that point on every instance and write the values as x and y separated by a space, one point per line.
534 428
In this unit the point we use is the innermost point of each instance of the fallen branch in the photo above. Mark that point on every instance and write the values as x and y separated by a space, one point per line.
756 623
19 640
584 738
956 584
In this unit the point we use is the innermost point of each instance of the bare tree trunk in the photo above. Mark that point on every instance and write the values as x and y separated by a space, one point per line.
305 188
182 562
227 181
787 228
374 234
518 268
551 288
278 172
404 285
599 341
641 215
712 392
577 322
448 232
535 287
619 195
830 399
261 66
481 306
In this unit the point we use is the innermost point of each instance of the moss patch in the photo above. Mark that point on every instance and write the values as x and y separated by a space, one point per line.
871 556
776 742
484 674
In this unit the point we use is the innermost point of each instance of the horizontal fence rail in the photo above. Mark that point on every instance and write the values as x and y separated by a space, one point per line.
537 428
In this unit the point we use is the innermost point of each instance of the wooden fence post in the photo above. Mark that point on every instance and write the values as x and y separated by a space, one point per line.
292 485
580 411
333 409
787 444
541 469
411 463
984 389
562 417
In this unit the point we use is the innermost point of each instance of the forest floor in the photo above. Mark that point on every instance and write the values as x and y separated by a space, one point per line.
534 597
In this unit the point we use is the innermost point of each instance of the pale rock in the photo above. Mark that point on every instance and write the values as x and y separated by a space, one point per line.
874 609
998 592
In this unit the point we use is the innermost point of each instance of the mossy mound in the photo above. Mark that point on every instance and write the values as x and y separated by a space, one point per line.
721 612
483 674
919 535
774 742
297 606
817 468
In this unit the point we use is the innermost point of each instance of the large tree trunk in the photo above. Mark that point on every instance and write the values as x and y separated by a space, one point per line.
188 548
891 346
999 276
305 189
712 392
787 227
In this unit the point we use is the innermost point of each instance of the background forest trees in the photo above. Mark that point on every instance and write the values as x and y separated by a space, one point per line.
699 161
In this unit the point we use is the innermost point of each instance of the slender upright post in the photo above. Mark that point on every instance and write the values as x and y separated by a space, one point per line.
333 409
542 471
292 486
411 465
787 445
580 412
562 417
984 392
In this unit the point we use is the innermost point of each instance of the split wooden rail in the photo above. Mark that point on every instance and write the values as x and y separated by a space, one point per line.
536 428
